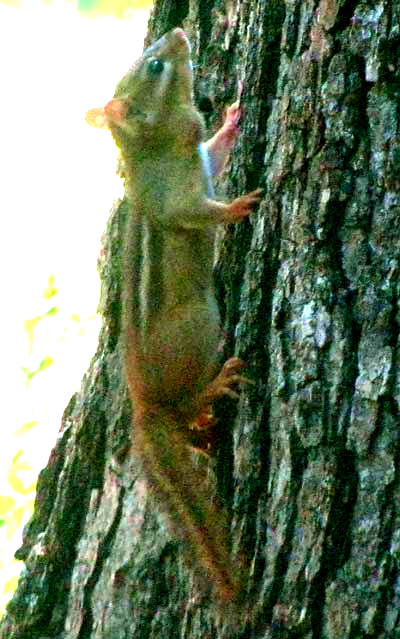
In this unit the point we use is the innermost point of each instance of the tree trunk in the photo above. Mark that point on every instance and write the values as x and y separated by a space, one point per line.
308 462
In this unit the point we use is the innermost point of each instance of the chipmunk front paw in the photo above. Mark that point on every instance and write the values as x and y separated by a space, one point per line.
242 206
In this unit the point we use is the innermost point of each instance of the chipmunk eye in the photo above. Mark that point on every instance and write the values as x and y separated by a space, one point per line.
156 67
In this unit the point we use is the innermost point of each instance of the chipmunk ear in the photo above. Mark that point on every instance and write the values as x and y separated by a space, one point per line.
114 111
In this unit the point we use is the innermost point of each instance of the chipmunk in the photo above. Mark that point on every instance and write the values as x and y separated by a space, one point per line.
170 318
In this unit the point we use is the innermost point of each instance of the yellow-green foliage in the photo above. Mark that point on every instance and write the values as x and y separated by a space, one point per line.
56 330
16 506
117 8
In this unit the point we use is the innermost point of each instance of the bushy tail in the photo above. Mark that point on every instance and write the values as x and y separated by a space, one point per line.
182 494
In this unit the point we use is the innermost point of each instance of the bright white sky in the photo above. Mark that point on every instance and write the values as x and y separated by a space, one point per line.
58 182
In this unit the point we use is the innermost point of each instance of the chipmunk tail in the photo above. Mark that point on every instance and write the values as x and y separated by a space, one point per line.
184 495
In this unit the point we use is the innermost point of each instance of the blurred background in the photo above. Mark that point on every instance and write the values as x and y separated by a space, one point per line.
59 58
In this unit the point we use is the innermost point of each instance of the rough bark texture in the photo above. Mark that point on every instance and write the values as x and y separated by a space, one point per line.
309 292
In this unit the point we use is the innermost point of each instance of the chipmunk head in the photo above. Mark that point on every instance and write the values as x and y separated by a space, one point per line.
157 85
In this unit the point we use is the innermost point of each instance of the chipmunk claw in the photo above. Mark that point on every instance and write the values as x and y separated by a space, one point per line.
202 431
202 437
228 377
243 205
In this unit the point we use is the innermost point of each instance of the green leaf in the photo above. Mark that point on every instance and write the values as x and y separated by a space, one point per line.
16 456
52 311
117 8
10 585
16 483
13 522
50 290
29 326
30 374
45 363
12 3
18 465
25 428
6 504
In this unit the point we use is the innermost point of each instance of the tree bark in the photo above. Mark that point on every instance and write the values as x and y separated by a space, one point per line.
308 462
